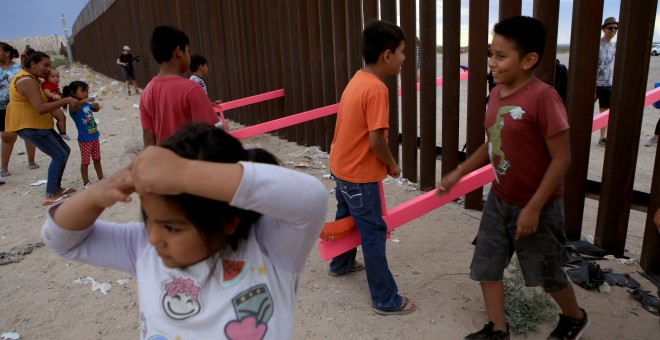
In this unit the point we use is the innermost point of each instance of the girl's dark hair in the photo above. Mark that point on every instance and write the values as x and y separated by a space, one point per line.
72 88
379 36
207 143
196 61
34 57
527 35
13 53
164 41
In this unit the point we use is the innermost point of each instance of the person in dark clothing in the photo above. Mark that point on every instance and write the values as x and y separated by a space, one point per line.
126 60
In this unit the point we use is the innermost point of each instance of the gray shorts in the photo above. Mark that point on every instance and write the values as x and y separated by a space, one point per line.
541 254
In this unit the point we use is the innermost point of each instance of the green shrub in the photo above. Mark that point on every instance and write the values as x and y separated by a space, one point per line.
525 307
59 61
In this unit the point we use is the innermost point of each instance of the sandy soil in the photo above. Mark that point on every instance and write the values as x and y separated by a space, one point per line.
43 296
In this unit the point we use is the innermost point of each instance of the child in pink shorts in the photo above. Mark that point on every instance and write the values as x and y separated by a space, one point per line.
88 135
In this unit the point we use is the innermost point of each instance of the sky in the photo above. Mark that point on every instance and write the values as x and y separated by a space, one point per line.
45 17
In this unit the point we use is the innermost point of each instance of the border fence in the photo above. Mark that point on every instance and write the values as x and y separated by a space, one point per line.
310 48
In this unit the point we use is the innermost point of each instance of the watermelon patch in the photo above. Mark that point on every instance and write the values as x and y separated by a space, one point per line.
233 271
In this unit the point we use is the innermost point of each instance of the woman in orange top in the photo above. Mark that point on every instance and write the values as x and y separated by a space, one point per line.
29 115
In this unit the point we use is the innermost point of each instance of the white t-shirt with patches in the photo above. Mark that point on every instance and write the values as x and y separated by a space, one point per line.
251 293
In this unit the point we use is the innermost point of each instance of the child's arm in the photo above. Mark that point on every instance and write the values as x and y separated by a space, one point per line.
50 94
72 230
560 159
478 159
80 211
76 106
378 144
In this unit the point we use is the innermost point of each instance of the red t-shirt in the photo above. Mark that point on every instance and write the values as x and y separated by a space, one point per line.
169 103
363 107
517 127
52 87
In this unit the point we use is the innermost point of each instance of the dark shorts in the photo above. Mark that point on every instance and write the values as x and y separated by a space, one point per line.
541 254
3 114
128 75
604 96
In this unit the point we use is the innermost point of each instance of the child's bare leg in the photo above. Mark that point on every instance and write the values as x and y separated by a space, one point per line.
61 120
84 173
99 169
128 86
568 303
494 298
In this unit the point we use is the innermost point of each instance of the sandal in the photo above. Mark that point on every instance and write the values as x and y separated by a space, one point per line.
405 302
33 165
66 191
357 267
51 202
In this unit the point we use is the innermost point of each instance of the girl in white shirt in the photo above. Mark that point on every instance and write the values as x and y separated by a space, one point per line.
223 243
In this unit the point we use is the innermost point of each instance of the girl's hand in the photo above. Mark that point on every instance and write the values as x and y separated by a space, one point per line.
96 107
56 97
528 222
160 171
116 188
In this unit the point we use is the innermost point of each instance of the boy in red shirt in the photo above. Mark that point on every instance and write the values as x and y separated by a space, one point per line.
169 102
528 147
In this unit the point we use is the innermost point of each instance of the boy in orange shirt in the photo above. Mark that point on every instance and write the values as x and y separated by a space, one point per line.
360 158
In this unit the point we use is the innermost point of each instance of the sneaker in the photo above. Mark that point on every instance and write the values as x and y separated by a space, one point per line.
652 141
65 136
33 165
4 172
487 333
569 328
602 142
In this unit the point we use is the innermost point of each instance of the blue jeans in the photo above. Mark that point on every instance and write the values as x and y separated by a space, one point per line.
50 143
362 202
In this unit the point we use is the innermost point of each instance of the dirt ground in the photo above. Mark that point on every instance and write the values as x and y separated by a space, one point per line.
45 296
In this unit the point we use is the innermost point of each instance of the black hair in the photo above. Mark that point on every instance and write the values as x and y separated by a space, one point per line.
72 88
13 53
34 57
164 41
196 61
379 36
207 143
527 35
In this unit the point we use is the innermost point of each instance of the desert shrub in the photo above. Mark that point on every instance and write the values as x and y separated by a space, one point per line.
525 307
59 61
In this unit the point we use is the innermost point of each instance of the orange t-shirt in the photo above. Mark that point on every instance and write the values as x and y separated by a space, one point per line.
363 107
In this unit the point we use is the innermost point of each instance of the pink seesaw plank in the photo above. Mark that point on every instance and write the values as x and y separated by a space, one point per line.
601 119
411 210
250 100
285 121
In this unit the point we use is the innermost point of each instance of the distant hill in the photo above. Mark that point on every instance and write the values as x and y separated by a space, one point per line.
47 43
